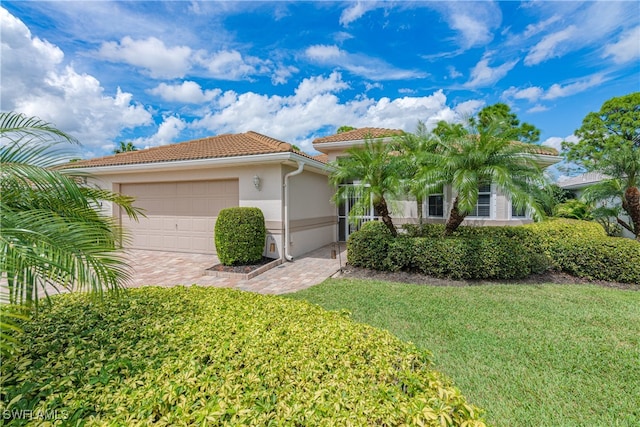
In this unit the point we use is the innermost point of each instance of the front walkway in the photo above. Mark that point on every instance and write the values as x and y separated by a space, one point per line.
171 269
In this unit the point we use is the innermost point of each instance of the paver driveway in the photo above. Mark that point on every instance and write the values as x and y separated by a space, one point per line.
171 269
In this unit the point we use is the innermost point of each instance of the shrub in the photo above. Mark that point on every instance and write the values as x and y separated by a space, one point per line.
471 257
208 356
582 248
368 246
239 236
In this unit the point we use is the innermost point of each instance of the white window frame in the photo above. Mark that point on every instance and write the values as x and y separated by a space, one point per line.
492 203
426 206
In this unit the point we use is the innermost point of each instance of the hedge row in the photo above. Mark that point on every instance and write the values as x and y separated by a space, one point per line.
583 249
580 248
207 356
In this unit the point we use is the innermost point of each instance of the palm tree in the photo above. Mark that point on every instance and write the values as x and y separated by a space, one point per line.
375 167
51 231
472 156
123 147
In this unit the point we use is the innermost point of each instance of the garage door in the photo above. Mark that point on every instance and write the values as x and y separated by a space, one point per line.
180 215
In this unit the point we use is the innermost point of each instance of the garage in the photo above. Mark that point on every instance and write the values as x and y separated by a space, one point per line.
180 215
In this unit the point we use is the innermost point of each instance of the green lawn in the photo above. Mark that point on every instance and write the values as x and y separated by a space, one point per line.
550 355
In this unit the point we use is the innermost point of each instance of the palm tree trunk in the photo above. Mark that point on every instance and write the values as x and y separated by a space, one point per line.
632 206
382 210
455 219
419 201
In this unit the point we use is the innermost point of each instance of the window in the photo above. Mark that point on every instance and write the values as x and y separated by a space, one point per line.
518 213
435 205
483 206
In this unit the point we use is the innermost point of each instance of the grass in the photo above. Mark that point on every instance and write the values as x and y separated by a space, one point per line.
548 355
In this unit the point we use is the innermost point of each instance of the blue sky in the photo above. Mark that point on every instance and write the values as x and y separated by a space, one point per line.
162 72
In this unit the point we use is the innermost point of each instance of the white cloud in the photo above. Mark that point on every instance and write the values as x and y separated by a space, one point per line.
453 73
483 75
356 11
150 54
474 21
314 86
556 142
626 49
468 108
537 109
34 82
314 106
360 65
531 93
560 91
550 46
232 65
282 74
188 92
168 132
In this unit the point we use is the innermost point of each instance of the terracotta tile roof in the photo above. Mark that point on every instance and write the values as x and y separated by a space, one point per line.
227 145
358 134
322 158
541 149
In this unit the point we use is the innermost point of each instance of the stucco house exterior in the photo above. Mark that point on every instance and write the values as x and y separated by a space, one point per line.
182 187
492 209
578 184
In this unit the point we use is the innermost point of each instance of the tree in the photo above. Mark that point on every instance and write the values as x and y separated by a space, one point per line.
610 144
375 166
123 147
52 233
481 153
343 129
411 147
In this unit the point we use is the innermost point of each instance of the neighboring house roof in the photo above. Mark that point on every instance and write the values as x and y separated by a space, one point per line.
322 158
227 145
359 134
582 181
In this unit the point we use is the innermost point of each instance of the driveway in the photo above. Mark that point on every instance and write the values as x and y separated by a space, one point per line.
172 269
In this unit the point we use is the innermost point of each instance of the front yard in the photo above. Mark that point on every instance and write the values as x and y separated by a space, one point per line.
543 355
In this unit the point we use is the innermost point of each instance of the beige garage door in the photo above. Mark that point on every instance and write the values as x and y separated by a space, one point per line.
180 215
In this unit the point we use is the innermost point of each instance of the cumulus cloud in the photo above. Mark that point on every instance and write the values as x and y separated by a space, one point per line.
483 75
232 65
314 106
35 82
150 54
188 92
357 64
626 49
168 132
556 142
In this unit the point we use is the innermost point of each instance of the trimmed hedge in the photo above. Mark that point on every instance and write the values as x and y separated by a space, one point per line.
583 249
368 247
208 356
472 253
239 235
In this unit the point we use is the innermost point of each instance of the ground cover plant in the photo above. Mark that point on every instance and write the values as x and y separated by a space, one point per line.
208 356
549 355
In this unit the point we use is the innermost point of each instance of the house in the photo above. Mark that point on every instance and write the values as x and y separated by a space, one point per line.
182 187
578 184
492 209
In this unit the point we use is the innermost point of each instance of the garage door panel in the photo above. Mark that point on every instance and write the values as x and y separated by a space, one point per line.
180 216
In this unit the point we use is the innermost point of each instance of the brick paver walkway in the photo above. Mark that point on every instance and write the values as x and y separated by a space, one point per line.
171 269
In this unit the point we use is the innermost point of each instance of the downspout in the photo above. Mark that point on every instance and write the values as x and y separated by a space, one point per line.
298 171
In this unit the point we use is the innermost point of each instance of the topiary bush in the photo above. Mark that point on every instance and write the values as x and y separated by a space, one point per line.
209 356
240 235
368 246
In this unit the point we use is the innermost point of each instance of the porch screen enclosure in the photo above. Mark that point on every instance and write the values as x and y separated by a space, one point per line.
346 227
